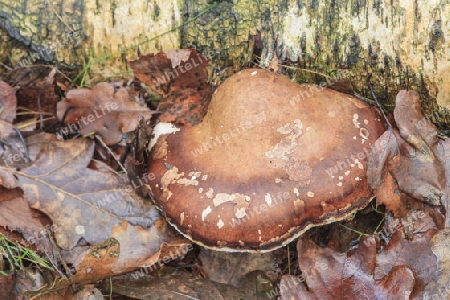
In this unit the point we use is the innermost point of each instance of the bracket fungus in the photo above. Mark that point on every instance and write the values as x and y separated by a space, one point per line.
270 160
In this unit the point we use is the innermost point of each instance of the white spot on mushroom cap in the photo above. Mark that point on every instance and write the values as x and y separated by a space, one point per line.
220 224
241 202
259 231
355 120
310 194
366 121
170 177
195 175
360 165
339 184
221 244
240 212
206 212
254 73
222 198
159 130
204 177
289 143
187 182
341 177
364 133
346 173
278 180
182 218
210 193
200 190
296 192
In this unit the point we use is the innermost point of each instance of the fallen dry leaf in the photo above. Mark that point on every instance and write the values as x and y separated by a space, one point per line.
12 151
411 155
180 77
15 215
172 70
415 254
396 263
440 288
187 106
151 67
145 246
105 109
231 268
332 275
8 102
99 262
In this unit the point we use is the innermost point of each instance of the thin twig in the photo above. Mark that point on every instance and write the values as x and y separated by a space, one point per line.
187 296
58 254
98 138
40 113
295 68
378 103
59 17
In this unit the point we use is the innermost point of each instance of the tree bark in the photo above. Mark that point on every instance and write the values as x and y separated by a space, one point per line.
401 44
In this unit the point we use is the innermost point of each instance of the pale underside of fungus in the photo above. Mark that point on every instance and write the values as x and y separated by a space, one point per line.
270 160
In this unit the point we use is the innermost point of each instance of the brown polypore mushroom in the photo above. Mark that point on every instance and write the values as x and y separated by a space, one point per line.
270 160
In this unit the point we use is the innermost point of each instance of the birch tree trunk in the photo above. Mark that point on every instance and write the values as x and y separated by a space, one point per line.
401 44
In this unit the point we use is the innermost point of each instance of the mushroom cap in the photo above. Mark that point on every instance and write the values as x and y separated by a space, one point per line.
270 160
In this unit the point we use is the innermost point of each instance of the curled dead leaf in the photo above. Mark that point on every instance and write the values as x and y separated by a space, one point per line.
412 155
105 109
180 77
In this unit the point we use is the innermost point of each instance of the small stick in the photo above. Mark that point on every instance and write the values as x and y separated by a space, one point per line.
111 153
